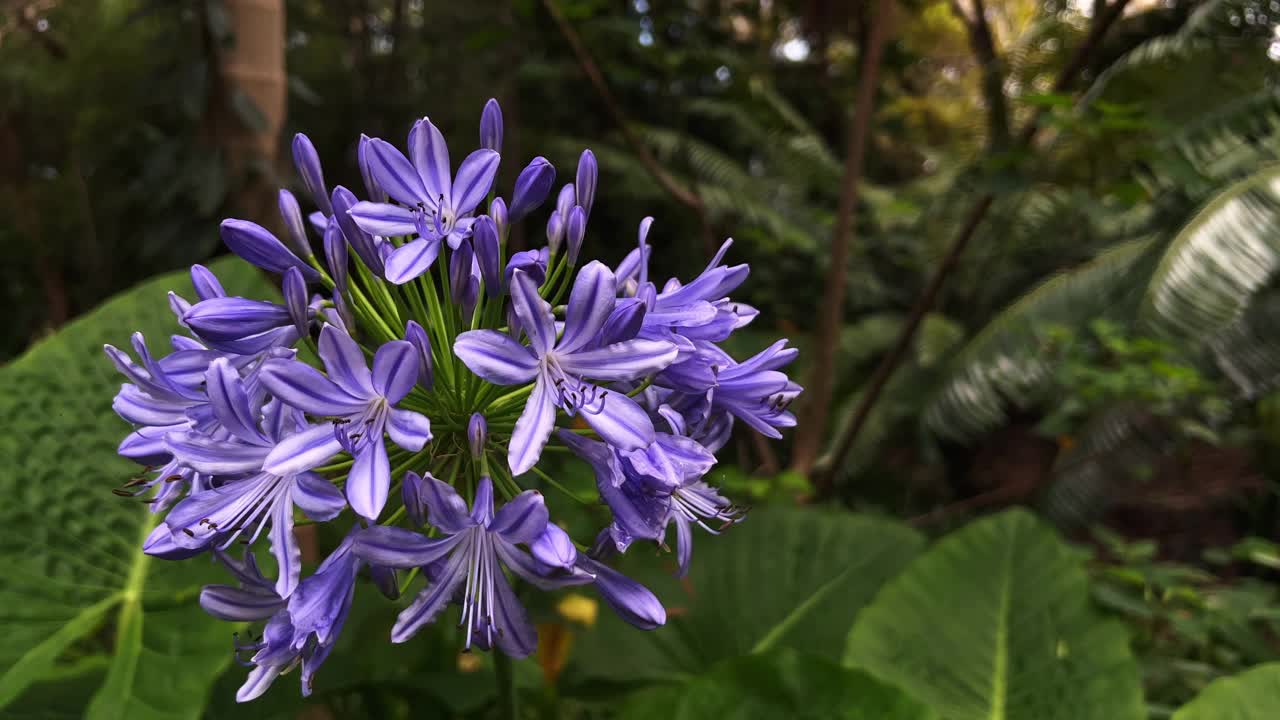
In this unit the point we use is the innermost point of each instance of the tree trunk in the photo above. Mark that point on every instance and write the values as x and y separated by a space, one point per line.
811 429
248 103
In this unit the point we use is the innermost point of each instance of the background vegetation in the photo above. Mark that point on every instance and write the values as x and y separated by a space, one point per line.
1029 250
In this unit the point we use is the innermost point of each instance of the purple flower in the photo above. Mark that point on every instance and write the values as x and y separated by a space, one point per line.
469 557
307 161
558 366
252 495
436 207
359 404
642 508
240 325
477 435
532 186
291 214
258 246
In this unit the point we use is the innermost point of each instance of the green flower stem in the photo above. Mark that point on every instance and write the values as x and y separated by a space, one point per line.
647 382
547 478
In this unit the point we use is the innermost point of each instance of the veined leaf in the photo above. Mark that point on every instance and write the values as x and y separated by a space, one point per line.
1228 252
1253 695
778 685
783 578
72 550
994 623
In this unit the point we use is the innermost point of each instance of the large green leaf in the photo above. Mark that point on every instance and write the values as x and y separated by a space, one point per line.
783 578
1005 363
776 685
994 623
1219 260
71 549
1253 695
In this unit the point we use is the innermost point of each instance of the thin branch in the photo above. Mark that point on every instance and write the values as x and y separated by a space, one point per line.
884 372
817 405
685 196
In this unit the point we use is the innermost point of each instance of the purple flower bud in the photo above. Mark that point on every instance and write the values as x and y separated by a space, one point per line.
565 201
477 435
491 126
632 601
335 252
206 283
363 158
575 231
463 284
484 239
498 211
417 337
345 320
362 242
624 322
532 262
384 578
307 160
555 232
411 492
291 213
532 187
554 548
259 247
586 180
294 289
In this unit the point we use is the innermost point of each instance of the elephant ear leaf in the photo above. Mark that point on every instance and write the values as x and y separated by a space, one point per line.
994 623
77 592
1253 695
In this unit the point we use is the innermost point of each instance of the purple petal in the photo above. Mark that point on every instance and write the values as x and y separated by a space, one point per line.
370 479
632 601
516 635
445 508
146 446
316 496
139 408
462 286
285 547
301 386
495 357
532 429
234 318
574 232
554 547
294 289
484 239
408 429
206 283
620 422
482 503
491 126
307 161
230 402
235 605
291 213
624 322
259 247
428 604
629 360
395 370
498 212
160 543
414 333
541 575
393 172
303 451
345 362
534 313
399 548
383 219
367 248
376 193
475 177
532 187
430 155
595 293
216 457
585 182
336 255
259 681
411 260
522 519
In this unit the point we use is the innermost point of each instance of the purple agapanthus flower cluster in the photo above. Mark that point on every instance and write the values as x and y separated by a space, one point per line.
407 384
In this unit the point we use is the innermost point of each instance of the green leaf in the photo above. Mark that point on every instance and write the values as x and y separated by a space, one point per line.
72 550
1211 271
994 623
1253 695
783 578
778 685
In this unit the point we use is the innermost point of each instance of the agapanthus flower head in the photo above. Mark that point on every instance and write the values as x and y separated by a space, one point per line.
412 403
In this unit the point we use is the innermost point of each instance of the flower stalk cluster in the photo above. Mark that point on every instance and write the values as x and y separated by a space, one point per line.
407 386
